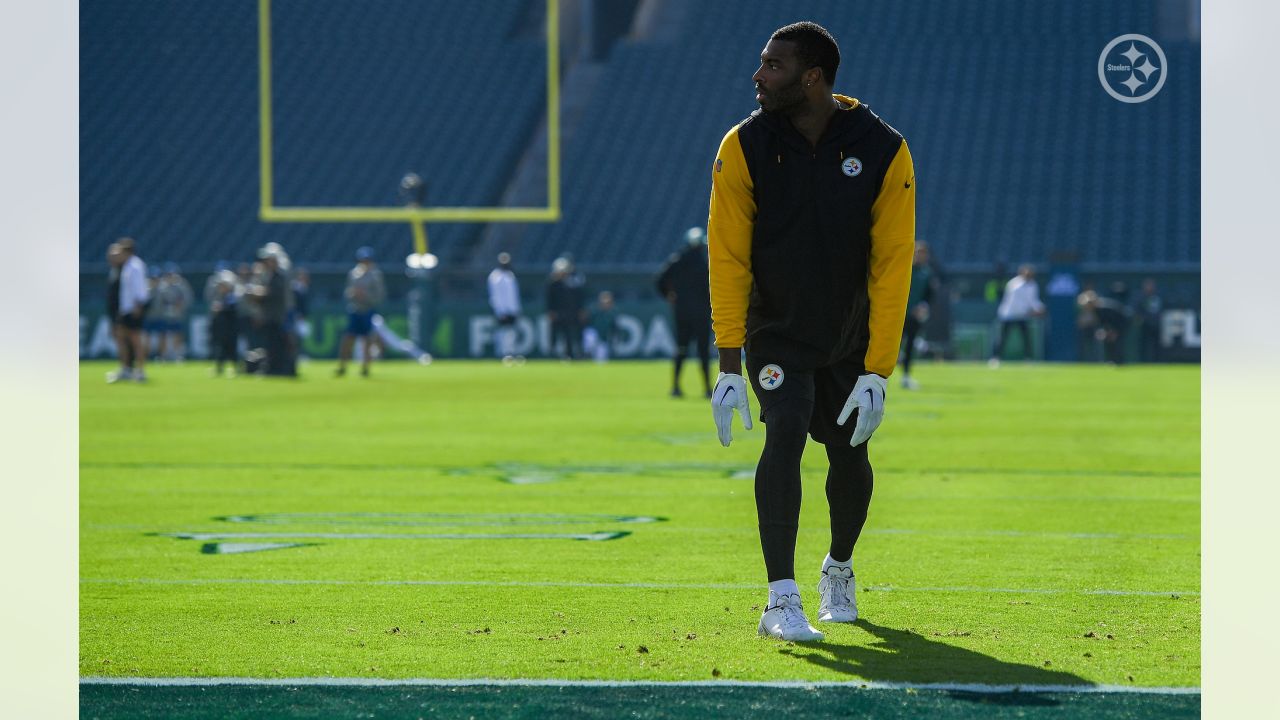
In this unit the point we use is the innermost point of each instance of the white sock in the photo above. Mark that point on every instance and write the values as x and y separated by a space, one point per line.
778 588
831 562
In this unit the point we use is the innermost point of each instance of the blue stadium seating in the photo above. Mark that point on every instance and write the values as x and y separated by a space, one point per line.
1019 152
362 93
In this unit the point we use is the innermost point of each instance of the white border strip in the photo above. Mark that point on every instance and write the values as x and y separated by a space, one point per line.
530 682
640 585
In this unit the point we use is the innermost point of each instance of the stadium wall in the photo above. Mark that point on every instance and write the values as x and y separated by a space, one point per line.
961 329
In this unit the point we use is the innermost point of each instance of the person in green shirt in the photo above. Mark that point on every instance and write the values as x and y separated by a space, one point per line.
602 328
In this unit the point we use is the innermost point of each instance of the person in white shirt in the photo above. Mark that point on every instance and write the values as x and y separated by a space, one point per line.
134 296
1021 302
504 299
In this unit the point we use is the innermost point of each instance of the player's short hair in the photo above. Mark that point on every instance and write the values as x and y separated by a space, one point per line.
126 244
814 46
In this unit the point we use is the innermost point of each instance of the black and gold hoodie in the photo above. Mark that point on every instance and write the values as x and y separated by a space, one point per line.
810 247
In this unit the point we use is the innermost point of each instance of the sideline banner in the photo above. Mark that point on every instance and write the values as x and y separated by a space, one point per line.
643 331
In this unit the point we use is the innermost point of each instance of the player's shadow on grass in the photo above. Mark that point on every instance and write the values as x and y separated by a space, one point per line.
906 657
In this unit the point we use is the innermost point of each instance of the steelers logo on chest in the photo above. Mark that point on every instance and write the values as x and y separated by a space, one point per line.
851 166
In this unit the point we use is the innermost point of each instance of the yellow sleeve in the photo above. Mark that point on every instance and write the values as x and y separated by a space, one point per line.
730 224
893 240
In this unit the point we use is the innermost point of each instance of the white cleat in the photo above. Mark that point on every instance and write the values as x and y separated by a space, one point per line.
836 590
785 620
909 384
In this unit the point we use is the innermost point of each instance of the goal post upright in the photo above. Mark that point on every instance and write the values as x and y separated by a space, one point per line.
269 212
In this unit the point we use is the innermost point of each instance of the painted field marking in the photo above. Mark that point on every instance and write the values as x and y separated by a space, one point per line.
238 548
532 473
620 586
1023 533
531 682
591 537
1046 498
643 469
421 519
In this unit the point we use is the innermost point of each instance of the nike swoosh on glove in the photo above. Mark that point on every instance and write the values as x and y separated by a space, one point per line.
868 398
729 394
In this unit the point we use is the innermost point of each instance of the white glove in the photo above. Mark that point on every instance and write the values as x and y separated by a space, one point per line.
729 394
868 398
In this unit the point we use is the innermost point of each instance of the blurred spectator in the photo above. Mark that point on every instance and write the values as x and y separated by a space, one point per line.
683 283
174 296
566 308
1148 310
270 292
384 338
222 294
923 284
152 320
1114 315
365 289
600 332
124 348
1088 327
133 305
250 321
504 299
1021 302
301 303
285 267
991 289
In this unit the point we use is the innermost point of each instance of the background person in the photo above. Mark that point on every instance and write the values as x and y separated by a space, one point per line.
300 326
1114 315
174 295
1147 316
923 284
597 339
134 296
1088 327
365 290
152 317
222 295
566 308
384 338
1020 303
504 300
270 292
124 348
682 282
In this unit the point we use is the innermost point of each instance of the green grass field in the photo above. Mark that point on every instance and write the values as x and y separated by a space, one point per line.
1035 525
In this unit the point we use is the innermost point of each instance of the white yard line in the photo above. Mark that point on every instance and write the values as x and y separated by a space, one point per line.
632 585
483 682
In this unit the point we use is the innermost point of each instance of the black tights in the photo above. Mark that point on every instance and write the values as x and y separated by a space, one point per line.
849 485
